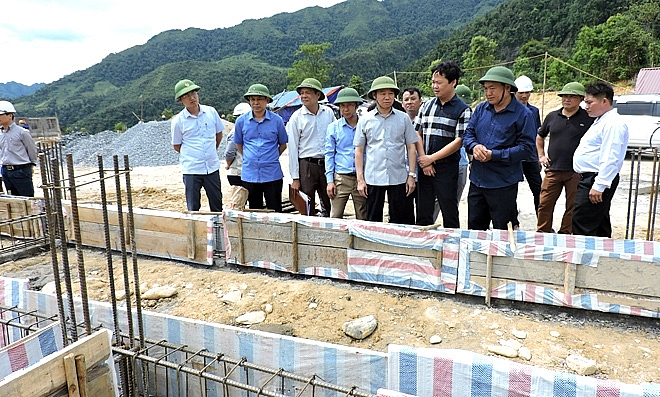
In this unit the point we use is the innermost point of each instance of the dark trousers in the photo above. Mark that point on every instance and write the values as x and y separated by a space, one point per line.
271 191
211 184
442 186
497 205
235 180
553 183
532 172
313 181
593 219
18 182
398 204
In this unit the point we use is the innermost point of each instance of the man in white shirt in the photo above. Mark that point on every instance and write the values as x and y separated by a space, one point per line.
598 159
306 130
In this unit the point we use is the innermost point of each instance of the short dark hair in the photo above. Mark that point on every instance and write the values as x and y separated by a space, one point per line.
600 89
412 90
449 69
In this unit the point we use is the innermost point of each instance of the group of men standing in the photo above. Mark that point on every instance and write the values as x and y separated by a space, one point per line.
418 157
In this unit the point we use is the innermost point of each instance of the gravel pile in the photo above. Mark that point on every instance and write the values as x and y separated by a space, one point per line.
146 144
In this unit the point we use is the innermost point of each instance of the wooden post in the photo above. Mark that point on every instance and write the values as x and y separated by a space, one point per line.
351 241
71 376
191 238
81 371
294 248
241 244
489 278
569 278
11 226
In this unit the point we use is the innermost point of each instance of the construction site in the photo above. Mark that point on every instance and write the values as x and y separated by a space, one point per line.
110 288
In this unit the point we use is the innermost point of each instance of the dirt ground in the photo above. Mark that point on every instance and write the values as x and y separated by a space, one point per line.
625 348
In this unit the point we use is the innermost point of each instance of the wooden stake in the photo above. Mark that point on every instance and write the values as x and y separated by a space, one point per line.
241 244
489 278
294 248
81 371
71 376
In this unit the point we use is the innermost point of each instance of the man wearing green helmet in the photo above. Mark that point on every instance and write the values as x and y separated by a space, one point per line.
500 135
196 134
306 129
340 157
565 126
383 139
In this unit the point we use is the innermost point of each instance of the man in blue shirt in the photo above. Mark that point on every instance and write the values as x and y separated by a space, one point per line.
261 138
196 134
340 157
500 135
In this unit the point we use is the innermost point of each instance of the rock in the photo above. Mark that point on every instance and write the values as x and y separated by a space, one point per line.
505 351
268 308
581 365
360 328
251 318
555 334
494 326
433 313
512 343
49 288
435 339
159 293
498 332
143 287
519 334
525 353
120 295
313 305
232 297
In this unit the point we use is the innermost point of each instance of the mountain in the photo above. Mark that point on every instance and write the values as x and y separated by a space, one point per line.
13 90
369 38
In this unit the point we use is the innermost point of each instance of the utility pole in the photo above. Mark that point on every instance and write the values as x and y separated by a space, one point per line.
141 107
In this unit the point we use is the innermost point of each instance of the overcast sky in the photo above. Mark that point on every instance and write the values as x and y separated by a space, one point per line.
50 39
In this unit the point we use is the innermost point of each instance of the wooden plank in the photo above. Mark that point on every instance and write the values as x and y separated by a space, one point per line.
190 229
489 278
259 230
570 271
81 371
621 275
366 245
294 246
322 237
71 375
48 374
545 272
241 241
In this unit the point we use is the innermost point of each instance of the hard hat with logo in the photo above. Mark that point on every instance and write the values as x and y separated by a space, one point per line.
381 83
184 87
258 90
573 88
6 107
500 74
464 93
312 83
524 84
348 95
241 109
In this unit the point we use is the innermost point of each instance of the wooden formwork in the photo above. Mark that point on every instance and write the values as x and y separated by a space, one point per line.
14 207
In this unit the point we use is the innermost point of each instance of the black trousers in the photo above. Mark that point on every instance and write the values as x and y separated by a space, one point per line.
399 205
442 186
194 183
532 172
593 219
271 191
497 205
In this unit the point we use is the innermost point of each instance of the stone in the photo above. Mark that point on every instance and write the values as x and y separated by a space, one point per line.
250 318
360 328
120 295
313 305
555 334
581 365
268 308
494 326
519 334
525 353
433 313
512 343
505 351
160 292
232 297
499 333
435 339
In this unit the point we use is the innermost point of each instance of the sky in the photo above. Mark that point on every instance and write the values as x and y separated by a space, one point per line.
50 39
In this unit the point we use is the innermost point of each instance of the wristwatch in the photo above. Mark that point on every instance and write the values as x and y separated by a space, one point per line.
414 175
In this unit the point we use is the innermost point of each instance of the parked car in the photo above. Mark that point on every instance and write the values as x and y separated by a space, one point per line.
642 114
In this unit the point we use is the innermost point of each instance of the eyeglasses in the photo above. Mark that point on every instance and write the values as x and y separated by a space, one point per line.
188 95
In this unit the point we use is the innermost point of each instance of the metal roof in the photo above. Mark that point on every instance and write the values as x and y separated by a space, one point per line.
648 81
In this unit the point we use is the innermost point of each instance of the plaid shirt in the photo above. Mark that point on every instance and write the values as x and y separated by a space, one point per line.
440 124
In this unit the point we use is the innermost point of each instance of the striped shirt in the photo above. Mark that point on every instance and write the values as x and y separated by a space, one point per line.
440 124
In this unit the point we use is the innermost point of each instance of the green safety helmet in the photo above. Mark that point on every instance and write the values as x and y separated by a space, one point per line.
573 88
258 90
381 83
348 95
464 93
184 87
500 74
312 83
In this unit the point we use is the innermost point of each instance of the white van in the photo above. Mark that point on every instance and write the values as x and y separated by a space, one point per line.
642 114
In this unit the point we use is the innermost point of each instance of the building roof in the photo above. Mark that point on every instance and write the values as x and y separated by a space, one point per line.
648 81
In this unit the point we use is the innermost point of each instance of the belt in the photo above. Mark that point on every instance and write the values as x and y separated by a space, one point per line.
347 174
315 160
584 175
16 167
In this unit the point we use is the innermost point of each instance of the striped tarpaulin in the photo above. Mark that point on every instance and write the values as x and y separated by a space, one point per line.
29 350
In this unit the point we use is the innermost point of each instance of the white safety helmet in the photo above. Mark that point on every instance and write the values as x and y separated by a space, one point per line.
524 84
6 107
241 109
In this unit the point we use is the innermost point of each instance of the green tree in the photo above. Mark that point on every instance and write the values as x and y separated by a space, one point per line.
312 63
357 83
168 113
478 59
120 127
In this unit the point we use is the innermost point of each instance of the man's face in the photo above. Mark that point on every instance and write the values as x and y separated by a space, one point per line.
523 97
309 97
596 107
348 109
385 98
258 103
442 88
411 102
494 92
571 102
190 99
5 118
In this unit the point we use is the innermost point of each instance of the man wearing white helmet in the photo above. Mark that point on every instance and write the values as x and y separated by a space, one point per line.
233 157
531 166
18 153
